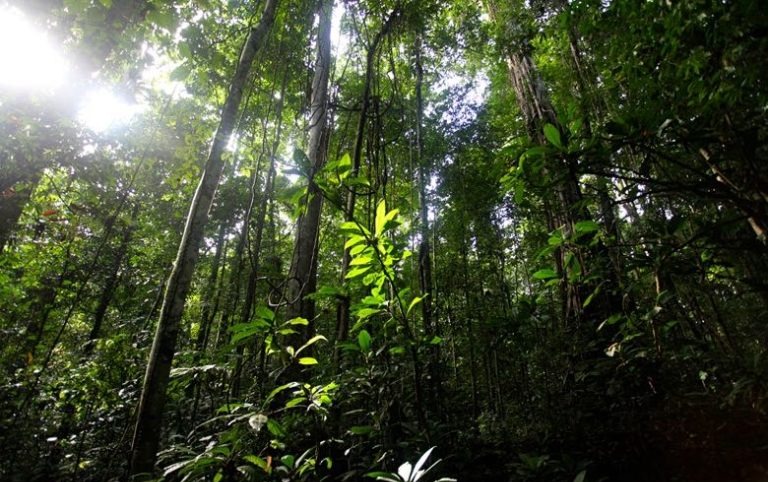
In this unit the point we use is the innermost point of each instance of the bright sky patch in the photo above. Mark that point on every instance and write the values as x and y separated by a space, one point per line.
28 59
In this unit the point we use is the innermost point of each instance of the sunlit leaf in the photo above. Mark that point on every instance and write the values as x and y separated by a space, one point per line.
354 273
364 340
546 273
381 217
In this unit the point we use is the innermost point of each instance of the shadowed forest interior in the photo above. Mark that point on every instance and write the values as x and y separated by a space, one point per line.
396 240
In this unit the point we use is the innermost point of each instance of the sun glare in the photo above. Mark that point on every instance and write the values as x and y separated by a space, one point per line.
28 60
31 63
101 110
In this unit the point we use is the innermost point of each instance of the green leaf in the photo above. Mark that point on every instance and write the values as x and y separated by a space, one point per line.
288 460
349 226
298 321
413 303
277 390
390 220
106 3
352 227
242 331
580 476
357 272
354 240
344 166
374 277
397 350
381 217
545 273
584 227
258 462
364 340
553 135
556 239
307 360
436 340
275 428
265 313
361 429
360 260
367 312
311 342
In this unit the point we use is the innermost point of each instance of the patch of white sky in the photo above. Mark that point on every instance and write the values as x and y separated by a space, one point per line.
472 90
339 39
28 59
32 64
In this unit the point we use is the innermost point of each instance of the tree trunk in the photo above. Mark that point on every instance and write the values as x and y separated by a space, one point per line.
146 438
111 283
255 250
425 259
342 316
303 272
211 301
425 263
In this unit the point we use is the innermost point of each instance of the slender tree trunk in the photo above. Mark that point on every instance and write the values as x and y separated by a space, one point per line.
470 331
425 259
211 301
111 283
425 262
255 249
303 272
210 307
342 315
146 438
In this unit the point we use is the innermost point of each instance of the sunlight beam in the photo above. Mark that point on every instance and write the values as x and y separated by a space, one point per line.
28 60
103 110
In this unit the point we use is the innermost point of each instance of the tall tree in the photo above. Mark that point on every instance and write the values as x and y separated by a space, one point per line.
342 317
146 437
303 270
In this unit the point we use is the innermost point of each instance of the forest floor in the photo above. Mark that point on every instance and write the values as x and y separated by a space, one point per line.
677 443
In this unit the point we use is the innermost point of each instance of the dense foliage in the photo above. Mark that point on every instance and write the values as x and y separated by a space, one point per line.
526 238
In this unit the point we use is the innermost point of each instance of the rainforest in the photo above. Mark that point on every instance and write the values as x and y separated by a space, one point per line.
393 240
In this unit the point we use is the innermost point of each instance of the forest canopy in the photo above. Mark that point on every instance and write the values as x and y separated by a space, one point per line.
396 240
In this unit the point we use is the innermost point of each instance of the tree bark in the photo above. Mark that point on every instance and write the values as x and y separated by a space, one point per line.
303 271
146 438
